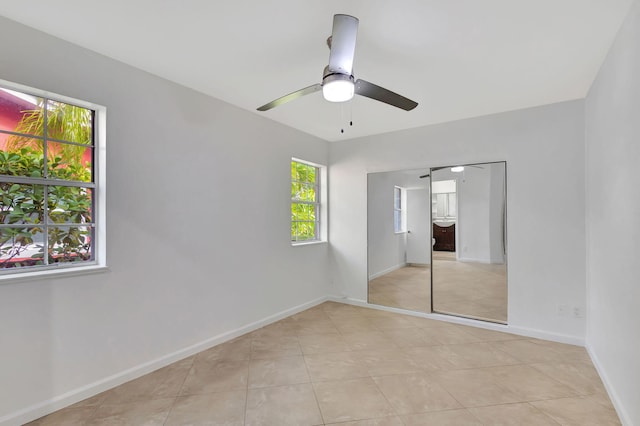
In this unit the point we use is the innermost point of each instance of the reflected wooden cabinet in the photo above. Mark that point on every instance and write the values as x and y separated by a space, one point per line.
445 237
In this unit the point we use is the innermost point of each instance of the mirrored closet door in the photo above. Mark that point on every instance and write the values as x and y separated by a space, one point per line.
469 256
399 239
437 240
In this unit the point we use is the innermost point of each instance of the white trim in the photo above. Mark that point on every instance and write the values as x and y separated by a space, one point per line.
307 162
100 180
520 331
613 395
60 401
486 261
53 273
307 243
386 271
546 335
324 203
46 94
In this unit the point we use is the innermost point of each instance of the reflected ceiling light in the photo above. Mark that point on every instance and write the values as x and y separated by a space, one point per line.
457 169
338 87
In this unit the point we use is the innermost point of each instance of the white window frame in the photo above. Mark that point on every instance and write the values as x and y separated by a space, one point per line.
449 212
99 262
321 223
400 211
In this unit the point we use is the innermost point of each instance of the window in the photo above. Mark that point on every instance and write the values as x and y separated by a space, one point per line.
50 201
444 200
399 215
307 192
445 206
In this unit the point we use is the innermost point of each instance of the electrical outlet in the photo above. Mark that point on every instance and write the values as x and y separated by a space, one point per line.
563 310
577 312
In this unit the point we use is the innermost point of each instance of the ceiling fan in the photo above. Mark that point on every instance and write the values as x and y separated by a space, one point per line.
338 83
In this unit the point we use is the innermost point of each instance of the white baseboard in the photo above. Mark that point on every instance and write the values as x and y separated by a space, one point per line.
486 261
60 401
520 331
547 335
613 395
386 271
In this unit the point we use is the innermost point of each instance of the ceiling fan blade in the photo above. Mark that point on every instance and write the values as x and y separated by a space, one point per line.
291 96
370 90
343 44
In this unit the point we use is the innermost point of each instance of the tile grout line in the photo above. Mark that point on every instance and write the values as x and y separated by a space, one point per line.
313 388
246 390
544 413
179 393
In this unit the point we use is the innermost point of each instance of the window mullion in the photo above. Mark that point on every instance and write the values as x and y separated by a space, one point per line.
9 132
45 132
45 174
45 208
41 181
70 142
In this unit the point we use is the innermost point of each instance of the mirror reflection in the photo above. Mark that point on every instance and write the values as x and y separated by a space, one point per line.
399 239
468 210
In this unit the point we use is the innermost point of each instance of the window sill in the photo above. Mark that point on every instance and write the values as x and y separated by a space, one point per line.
308 243
53 274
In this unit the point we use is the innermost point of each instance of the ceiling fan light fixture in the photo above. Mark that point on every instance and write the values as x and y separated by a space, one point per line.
457 169
338 88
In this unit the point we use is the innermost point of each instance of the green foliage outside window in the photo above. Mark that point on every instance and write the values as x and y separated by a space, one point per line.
304 202
22 203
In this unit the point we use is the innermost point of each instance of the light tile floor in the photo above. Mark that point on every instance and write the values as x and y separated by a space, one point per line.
347 365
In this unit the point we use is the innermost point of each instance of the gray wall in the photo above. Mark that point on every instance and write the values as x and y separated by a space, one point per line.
613 219
386 248
197 230
544 150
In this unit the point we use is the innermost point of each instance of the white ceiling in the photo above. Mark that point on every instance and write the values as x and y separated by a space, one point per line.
456 58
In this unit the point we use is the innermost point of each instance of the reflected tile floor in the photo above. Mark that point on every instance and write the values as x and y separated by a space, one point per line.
476 290
348 365
406 288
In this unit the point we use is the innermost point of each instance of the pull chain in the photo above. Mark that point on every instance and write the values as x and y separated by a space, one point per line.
342 115
350 114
